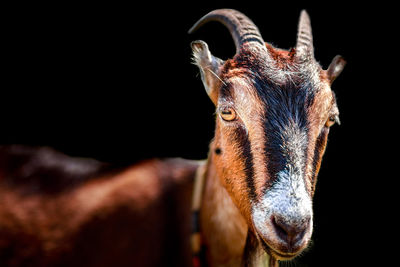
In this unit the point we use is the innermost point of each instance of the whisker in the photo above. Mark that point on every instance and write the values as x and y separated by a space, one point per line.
216 76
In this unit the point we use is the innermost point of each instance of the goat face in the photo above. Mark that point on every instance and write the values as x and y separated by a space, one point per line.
274 111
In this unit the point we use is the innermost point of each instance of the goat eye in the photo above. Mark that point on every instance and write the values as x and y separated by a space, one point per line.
331 121
228 114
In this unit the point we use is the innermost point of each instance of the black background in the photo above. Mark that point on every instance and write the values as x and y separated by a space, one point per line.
115 82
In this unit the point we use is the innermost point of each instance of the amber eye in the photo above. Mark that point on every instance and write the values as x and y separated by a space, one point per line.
331 121
228 114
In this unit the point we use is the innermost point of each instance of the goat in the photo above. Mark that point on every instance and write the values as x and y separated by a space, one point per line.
274 111
253 195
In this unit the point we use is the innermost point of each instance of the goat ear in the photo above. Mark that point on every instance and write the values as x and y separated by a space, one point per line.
335 68
209 68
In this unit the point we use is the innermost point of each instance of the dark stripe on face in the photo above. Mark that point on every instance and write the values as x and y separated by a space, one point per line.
318 153
286 122
286 128
241 138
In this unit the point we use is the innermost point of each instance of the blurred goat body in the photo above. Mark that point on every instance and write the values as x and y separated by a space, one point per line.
61 211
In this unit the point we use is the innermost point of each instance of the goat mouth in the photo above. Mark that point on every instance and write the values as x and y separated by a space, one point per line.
283 256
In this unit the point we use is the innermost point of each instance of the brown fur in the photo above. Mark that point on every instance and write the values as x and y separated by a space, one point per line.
137 217
281 57
223 236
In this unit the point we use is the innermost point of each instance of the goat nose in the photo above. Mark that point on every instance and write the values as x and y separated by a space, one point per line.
290 232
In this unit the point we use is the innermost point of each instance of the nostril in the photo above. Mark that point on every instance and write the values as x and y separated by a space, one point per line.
289 232
280 228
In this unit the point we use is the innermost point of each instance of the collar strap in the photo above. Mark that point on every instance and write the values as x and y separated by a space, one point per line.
196 241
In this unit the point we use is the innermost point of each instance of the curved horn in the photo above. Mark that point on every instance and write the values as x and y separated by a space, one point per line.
304 45
242 29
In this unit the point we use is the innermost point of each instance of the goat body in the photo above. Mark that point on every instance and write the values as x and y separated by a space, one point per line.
97 217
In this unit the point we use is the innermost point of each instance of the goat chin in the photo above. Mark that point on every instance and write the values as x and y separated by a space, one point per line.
282 250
